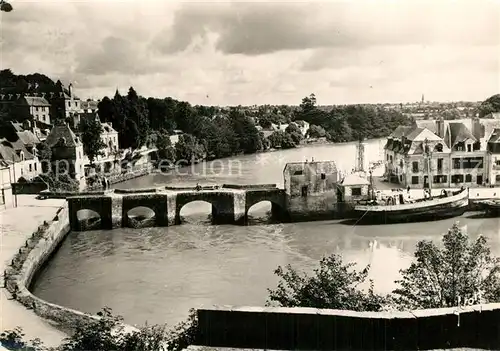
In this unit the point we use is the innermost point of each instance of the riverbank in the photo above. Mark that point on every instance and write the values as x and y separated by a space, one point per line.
17 225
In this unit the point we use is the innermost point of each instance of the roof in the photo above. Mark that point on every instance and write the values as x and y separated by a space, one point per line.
7 152
35 101
28 138
11 151
414 133
302 165
459 133
354 179
401 131
17 126
495 136
62 131
428 124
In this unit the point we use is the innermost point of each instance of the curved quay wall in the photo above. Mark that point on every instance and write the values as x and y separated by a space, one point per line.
281 328
30 259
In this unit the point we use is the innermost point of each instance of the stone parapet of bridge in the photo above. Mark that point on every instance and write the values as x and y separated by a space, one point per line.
230 204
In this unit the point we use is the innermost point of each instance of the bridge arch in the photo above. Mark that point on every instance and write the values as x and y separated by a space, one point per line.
274 196
141 217
222 203
151 210
188 207
82 209
88 219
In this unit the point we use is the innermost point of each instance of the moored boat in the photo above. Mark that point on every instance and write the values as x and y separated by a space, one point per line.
397 209
490 206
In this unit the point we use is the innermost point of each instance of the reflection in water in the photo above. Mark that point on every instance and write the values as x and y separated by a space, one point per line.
157 274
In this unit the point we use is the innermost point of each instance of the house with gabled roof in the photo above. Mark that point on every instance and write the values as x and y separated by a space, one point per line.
445 153
34 108
67 152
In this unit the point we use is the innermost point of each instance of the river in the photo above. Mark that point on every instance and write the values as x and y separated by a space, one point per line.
158 274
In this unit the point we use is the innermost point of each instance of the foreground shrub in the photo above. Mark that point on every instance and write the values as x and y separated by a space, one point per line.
109 333
333 285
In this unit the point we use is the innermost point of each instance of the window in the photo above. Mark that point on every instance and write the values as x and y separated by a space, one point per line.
36 108
35 166
457 163
439 148
298 173
497 162
30 167
414 180
22 171
304 190
497 178
414 166
468 178
323 176
479 180
440 165
457 178
356 191
469 147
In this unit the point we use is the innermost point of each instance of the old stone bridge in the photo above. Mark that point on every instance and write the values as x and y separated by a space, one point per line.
230 204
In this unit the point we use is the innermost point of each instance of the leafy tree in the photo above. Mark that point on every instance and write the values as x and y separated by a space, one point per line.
188 150
333 285
276 139
5 6
295 133
315 131
164 145
491 104
438 277
57 182
247 135
91 138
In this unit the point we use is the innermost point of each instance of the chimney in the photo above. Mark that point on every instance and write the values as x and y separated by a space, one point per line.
70 90
440 127
477 128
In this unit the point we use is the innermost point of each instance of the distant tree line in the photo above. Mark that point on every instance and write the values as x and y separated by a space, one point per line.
211 132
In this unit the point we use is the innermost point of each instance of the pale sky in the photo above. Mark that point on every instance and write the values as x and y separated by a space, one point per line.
231 53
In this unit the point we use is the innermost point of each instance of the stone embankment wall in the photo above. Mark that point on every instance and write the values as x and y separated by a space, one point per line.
30 259
321 329
123 177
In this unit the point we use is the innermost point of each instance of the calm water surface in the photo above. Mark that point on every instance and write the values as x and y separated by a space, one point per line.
157 274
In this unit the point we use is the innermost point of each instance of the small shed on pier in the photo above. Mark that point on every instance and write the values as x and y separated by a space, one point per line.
353 188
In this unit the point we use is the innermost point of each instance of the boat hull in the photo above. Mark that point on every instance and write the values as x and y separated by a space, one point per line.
490 207
393 214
